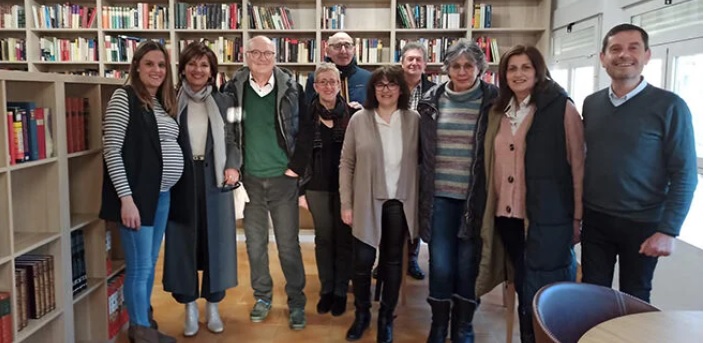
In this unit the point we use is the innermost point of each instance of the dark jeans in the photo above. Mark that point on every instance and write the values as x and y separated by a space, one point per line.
277 196
603 238
394 231
334 242
141 248
512 233
203 256
452 270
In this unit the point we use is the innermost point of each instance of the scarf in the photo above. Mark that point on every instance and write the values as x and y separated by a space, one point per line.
216 124
339 115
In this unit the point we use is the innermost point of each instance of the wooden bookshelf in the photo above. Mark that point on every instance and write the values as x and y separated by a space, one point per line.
43 201
512 22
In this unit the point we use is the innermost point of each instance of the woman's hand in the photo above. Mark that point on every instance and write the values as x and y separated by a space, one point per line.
347 216
231 176
302 202
290 173
130 217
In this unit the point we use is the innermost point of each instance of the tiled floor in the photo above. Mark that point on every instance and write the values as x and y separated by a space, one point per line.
411 324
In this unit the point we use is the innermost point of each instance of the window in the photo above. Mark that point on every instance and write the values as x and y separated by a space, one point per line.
574 53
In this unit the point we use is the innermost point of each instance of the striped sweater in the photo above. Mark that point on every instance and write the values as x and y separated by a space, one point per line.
115 126
455 128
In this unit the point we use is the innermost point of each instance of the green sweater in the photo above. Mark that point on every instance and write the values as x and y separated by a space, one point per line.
263 157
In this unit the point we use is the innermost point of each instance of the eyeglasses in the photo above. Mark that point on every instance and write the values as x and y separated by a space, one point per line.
338 46
228 188
390 86
258 54
331 83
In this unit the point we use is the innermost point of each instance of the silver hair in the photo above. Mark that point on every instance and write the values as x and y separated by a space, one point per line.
469 49
414 45
324 67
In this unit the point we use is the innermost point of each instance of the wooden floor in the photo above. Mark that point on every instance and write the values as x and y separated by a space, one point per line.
410 325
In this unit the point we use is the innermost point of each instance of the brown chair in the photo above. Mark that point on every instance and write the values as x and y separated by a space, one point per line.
564 311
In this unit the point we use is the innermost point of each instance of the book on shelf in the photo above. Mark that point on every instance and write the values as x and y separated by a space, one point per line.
78 49
436 47
269 18
120 48
117 311
6 328
439 16
21 298
224 16
295 50
333 17
77 114
46 262
63 16
12 16
226 50
13 50
31 131
481 16
140 16
78 265
490 48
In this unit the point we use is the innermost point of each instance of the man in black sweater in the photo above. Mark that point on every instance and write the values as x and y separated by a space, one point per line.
640 171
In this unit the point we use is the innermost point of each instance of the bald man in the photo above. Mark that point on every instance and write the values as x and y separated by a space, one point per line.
341 51
268 98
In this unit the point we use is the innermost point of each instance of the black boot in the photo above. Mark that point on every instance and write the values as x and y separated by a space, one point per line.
384 324
463 310
527 335
361 290
439 320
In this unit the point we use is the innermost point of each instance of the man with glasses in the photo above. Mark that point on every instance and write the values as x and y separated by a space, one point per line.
269 101
341 51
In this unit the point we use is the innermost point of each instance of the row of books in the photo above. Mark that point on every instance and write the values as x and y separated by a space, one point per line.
29 132
371 50
34 279
436 47
5 318
78 49
490 48
269 18
63 16
77 117
78 263
120 48
333 17
481 16
12 16
443 16
12 50
226 50
117 311
208 16
143 16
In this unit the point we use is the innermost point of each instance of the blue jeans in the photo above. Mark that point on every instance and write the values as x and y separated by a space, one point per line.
141 248
452 269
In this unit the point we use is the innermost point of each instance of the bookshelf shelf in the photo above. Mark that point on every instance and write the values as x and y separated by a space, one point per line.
13 62
10 30
3 261
31 164
28 241
34 325
58 30
84 153
117 266
61 63
92 285
80 220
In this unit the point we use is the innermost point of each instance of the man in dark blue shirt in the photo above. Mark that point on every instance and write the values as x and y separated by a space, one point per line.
640 169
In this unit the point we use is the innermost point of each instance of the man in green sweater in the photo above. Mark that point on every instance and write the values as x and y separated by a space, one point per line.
640 170
269 101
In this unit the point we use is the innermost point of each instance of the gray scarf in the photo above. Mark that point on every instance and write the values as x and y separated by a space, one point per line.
216 124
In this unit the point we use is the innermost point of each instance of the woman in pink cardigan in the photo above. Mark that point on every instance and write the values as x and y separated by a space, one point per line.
378 192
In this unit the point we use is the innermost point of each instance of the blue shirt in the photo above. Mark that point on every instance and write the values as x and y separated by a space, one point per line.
617 101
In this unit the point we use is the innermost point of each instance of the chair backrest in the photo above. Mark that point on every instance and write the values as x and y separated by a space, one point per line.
564 311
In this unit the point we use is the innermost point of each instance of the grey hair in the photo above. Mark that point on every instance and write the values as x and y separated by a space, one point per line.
324 67
469 49
414 45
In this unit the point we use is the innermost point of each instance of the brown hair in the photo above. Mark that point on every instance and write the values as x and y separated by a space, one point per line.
166 92
197 50
391 73
542 74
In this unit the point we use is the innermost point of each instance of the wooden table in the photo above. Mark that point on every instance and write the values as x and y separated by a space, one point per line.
649 327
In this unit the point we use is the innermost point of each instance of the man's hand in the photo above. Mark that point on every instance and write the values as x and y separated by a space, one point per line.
347 216
356 105
290 173
231 176
576 231
659 244
302 202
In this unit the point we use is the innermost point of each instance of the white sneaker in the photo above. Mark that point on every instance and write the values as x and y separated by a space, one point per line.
191 316
214 322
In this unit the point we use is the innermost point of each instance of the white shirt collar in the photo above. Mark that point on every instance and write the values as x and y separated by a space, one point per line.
266 89
617 101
